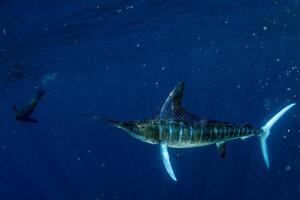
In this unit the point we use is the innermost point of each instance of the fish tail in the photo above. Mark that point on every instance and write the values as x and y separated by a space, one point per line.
266 129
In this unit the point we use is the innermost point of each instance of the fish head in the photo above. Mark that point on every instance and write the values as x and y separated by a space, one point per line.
141 130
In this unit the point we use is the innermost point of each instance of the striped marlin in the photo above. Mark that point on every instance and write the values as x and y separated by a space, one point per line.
175 127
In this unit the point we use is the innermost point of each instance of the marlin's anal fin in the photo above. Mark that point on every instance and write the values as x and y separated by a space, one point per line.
222 149
166 160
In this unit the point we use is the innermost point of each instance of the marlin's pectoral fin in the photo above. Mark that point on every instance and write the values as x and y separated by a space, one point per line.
222 150
166 160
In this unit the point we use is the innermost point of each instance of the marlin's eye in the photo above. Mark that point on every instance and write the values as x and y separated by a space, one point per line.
135 129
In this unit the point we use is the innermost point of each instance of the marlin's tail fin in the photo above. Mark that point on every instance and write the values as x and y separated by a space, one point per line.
266 132
39 94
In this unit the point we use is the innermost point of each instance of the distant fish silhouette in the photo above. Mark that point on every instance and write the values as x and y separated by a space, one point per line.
24 114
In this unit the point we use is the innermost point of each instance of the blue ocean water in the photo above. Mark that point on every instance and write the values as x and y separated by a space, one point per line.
120 59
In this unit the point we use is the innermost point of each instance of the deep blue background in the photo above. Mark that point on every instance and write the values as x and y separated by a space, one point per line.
119 59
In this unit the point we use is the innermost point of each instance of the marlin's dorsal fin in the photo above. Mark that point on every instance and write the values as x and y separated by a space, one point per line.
172 108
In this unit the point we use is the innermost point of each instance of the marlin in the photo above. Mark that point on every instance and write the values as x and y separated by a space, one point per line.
175 127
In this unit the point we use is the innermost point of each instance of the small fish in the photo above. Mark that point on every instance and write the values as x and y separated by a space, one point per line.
25 113
175 127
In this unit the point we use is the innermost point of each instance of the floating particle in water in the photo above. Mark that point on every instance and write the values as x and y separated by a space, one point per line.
284 136
267 103
103 164
295 68
4 31
277 59
138 45
265 28
288 168
129 7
